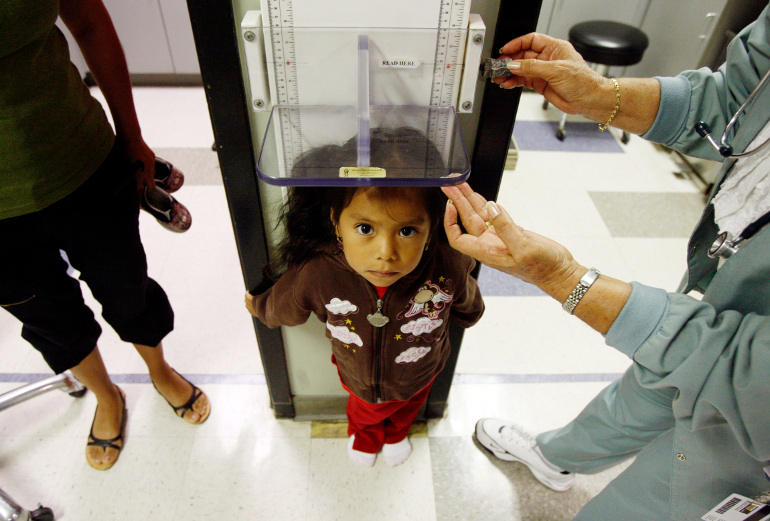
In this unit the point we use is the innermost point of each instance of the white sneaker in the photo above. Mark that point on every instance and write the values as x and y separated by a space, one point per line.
510 442
362 458
396 453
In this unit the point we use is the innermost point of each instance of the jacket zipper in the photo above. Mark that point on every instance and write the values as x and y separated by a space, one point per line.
378 353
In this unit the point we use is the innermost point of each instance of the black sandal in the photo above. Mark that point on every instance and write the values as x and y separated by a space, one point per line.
183 409
93 441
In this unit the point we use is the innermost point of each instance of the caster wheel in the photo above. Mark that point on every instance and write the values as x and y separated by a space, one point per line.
42 514
545 104
560 134
625 138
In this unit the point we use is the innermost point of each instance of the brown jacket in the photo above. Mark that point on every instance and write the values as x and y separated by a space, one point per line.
394 361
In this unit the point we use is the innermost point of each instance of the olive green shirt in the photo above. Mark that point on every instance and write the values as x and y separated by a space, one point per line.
53 133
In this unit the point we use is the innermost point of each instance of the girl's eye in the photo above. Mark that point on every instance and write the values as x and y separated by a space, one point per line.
364 229
408 231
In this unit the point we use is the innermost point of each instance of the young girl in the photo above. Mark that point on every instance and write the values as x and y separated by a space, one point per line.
374 265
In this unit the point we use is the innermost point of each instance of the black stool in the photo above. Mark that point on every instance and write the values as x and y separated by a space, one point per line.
604 44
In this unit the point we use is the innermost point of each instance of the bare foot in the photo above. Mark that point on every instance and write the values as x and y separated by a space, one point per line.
105 440
178 392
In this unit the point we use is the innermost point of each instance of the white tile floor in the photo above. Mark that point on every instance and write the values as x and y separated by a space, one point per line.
245 464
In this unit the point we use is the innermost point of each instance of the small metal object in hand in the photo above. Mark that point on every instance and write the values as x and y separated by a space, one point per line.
495 68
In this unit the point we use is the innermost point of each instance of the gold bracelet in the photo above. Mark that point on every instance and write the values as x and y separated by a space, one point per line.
617 106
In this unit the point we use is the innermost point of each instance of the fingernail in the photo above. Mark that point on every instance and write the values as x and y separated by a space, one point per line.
449 202
514 65
493 210
500 51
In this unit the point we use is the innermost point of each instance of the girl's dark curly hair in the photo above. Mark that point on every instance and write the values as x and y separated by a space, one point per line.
308 212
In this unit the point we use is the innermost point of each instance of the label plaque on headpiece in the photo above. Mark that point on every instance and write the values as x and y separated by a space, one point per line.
360 171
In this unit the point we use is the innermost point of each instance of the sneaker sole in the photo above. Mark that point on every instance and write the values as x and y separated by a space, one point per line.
505 456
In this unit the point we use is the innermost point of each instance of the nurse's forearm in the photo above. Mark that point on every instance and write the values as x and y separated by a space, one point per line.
600 305
639 102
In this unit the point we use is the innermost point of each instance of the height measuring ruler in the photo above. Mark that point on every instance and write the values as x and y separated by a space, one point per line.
448 18
450 45
284 80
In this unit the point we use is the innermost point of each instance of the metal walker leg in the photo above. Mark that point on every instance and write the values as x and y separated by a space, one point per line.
9 509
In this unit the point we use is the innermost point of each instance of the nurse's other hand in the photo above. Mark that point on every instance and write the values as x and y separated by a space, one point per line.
503 244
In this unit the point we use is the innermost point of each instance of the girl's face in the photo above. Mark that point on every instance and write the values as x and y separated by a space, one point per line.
384 236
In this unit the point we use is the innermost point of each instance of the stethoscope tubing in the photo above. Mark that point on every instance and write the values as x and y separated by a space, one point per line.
724 148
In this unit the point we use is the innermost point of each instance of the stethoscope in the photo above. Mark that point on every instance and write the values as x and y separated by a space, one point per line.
723 147
725 245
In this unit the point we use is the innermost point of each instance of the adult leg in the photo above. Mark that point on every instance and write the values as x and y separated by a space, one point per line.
641 492
105 246
172 386
36 289
620 421
109 410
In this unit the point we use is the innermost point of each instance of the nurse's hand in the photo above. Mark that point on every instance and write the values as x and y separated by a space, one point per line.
528 256
506 246
556 70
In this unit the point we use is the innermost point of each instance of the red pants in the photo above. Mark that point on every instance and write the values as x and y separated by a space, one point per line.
375 424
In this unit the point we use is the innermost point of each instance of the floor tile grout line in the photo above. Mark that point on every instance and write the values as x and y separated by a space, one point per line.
259 379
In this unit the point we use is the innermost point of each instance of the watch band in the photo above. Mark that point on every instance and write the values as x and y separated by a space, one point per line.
582 287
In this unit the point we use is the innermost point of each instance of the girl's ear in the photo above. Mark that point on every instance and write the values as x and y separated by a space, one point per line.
334 223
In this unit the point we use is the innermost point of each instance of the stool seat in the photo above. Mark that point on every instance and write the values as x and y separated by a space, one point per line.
608 43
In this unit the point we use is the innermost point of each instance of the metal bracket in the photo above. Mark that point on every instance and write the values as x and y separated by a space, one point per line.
251 32
474 44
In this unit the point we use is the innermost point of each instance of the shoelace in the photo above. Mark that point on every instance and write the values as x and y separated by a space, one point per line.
516 436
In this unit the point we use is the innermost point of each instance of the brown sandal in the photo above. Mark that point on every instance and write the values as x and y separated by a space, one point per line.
93 441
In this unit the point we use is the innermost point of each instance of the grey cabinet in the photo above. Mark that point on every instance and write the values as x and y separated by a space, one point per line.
679 35
157 40
141 28
180 36
679 31
557 16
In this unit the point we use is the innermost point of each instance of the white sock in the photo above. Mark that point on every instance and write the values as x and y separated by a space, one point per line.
396 453
362 458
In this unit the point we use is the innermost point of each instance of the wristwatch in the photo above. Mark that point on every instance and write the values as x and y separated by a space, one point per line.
585 282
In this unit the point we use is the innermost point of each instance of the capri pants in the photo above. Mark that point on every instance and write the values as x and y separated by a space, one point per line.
97 226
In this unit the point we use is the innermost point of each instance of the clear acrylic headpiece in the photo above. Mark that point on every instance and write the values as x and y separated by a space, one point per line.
366 143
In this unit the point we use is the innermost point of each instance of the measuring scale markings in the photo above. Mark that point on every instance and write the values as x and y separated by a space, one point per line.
287 89
450 44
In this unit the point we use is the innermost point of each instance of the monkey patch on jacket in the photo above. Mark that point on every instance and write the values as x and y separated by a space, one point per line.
389 348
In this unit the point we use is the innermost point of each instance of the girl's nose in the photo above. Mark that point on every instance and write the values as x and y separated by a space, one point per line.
386 248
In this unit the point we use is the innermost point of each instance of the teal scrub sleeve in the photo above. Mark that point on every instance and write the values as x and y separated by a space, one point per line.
717 362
